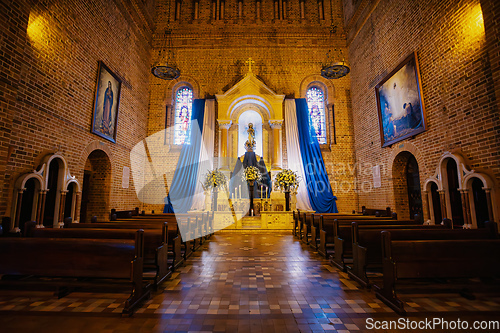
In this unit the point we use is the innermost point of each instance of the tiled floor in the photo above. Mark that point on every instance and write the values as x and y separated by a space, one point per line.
237 282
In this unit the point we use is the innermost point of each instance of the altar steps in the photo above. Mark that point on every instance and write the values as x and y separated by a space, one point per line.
251 222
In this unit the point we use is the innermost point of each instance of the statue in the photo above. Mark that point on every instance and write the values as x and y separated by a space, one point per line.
250 143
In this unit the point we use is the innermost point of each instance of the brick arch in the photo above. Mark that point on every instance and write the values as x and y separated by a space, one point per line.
327 85
183 80
96 145
411 148
397 169
96 186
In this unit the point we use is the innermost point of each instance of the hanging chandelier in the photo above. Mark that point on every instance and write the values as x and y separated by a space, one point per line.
165 68
332 69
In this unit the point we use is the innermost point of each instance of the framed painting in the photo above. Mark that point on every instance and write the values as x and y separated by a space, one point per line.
106 101
400 104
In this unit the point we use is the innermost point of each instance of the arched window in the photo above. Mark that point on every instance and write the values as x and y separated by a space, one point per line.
183 110
316 104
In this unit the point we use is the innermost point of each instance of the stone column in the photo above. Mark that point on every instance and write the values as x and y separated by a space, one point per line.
425 206
224 126
464 195
488 201
442 200
42 212
62 204
41 203
76 218
15 227
276 156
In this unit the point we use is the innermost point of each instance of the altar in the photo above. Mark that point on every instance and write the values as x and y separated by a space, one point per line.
229 218
250 118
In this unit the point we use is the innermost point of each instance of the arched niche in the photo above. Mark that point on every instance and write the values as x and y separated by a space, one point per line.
480 192
37 192
96 188
406 185
431 191
250 116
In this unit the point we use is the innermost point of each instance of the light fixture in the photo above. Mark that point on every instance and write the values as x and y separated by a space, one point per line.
165 68
331 68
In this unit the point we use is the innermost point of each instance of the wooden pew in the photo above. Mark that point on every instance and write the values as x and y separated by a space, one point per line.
431 259
155 244
119 261
295 215
123 213
191 225
326 229
367 249
343 237
307 224
376 212
316 222
173 238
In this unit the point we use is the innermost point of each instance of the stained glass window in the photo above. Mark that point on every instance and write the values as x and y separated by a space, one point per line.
316 104
183 109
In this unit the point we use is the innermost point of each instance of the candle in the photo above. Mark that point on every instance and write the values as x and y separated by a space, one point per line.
240 191
235 193
261 190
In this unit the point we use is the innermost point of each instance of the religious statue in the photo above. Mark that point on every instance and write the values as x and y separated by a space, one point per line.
250 143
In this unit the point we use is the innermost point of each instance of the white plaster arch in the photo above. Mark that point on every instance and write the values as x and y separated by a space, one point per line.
441 169
488 186
465 175
66 174
244 103
21 181
487 182
41 174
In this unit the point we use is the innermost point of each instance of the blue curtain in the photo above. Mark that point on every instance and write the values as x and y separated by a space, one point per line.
183 184
318 185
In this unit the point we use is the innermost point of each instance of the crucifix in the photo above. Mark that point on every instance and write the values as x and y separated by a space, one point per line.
249 62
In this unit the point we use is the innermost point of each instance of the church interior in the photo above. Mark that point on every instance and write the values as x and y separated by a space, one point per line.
249 165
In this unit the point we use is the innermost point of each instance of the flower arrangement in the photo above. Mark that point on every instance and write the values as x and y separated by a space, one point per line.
287 180
214 179
251 174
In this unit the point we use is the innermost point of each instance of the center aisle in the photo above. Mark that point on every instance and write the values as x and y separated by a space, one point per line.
261 282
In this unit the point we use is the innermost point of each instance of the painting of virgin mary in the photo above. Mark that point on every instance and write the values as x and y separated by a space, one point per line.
107 98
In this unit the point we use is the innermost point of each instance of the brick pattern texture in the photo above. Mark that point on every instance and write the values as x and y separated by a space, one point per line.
459 60
49 53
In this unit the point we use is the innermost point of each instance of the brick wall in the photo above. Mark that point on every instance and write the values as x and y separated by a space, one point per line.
49 53
459 71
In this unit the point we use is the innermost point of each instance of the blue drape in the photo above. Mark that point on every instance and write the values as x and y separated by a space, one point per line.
183 184
318 186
